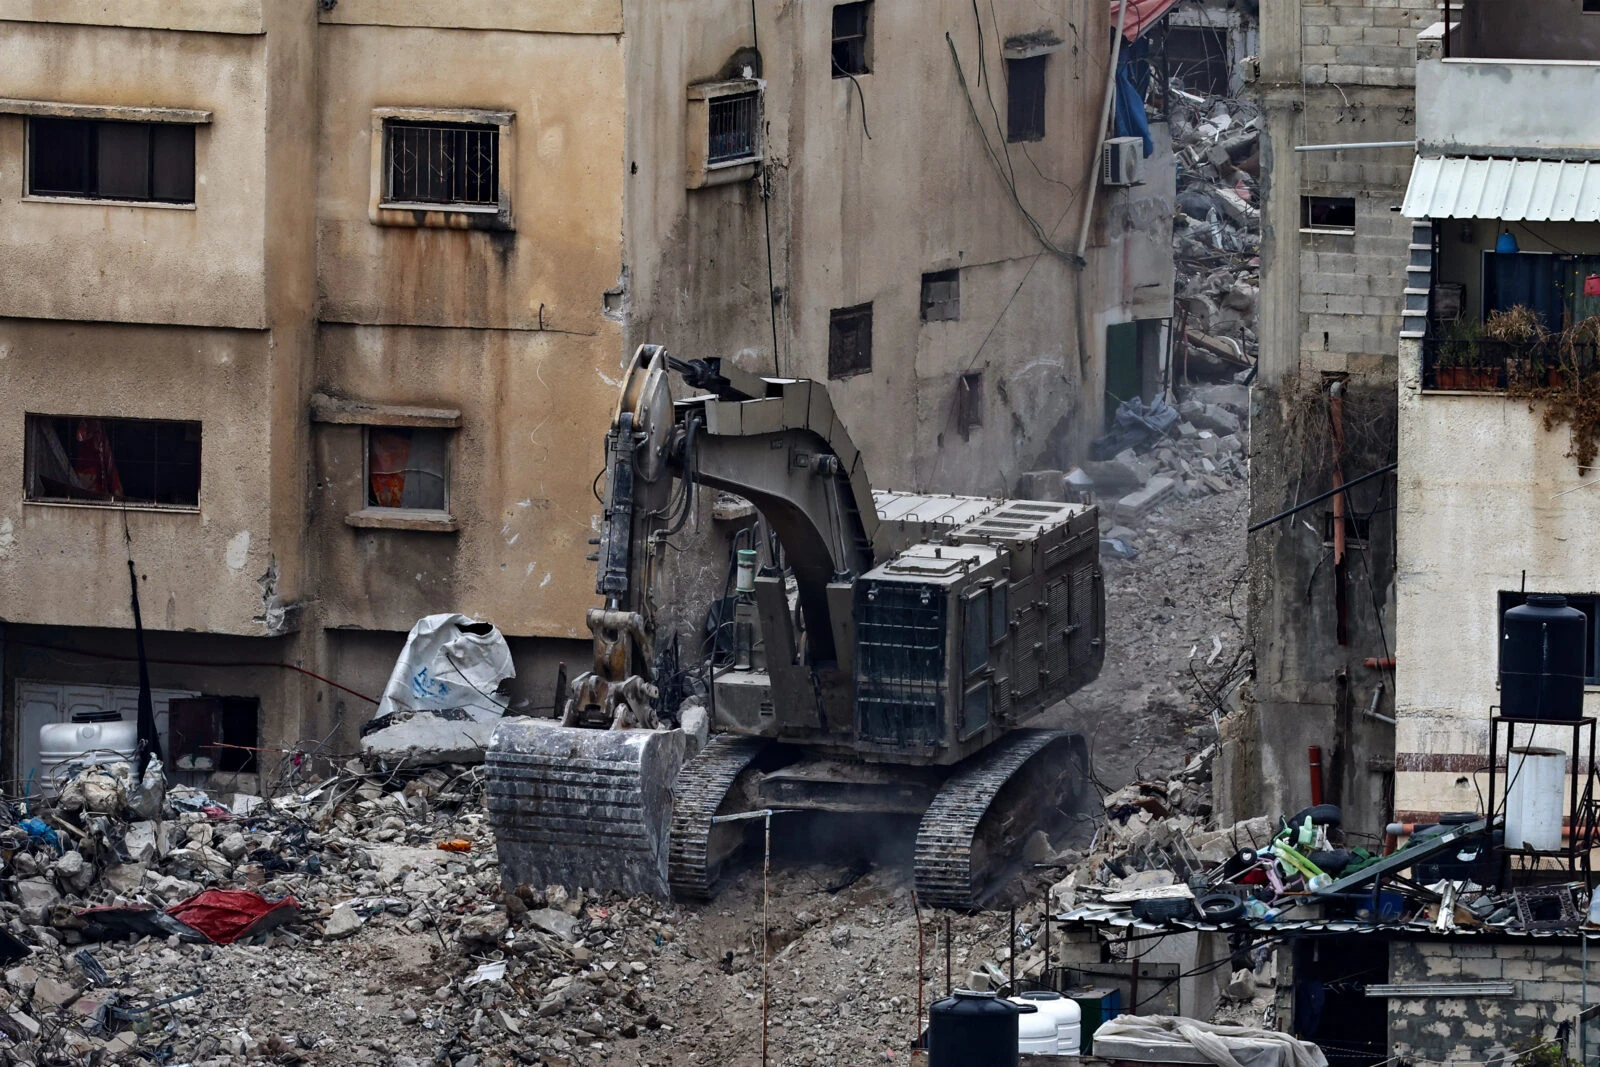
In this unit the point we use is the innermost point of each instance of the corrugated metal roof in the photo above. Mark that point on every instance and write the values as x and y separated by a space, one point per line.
1515 190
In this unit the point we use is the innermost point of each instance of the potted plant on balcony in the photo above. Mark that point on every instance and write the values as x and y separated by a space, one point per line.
1457 356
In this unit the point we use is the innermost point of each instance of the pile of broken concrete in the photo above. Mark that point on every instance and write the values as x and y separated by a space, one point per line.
358 919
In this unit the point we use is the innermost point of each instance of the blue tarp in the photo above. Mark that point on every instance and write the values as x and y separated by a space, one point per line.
1133 79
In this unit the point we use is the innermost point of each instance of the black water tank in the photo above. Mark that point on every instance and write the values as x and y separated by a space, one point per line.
1542 646
973 1030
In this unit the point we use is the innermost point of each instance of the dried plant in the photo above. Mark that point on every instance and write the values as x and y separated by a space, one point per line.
1569 390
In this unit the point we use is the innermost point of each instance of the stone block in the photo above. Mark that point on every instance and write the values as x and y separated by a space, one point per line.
1135 506
1480 968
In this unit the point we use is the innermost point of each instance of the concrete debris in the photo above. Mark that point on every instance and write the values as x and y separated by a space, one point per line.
1217 235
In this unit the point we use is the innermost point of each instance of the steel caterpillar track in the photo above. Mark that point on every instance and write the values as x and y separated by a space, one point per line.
950 828
693 872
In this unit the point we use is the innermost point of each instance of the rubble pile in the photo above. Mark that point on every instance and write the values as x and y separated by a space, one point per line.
356 920
1216 235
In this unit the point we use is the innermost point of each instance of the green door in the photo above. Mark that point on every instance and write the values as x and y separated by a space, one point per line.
1123 379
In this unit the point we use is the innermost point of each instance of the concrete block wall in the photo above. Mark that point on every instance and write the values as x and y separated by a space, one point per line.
1547 978
1362 42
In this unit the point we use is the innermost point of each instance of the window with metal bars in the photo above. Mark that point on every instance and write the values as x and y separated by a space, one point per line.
442 163
850 341
735 128
941 296
851 28
69 458
103 160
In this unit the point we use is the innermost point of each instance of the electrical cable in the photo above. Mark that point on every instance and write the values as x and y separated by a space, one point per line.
190 663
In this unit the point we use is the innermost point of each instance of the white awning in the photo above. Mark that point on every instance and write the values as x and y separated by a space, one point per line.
1515 190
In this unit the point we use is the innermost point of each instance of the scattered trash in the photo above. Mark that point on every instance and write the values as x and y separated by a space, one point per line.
455 845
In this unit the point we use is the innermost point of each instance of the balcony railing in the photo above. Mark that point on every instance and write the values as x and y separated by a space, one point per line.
1484 365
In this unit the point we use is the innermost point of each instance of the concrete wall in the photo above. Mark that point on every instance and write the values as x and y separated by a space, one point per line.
507 327
1330 310
856 218
1548 979
1486 496
1507 107
1530 29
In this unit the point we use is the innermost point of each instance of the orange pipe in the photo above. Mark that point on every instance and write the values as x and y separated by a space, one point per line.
1380 663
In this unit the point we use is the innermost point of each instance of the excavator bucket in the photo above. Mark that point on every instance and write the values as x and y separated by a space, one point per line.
578 807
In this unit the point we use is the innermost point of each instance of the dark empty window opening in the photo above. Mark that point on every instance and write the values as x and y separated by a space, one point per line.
1328 213
138 161
1589 604
1357 529
1025 98
213 734
71 459
852 24
941 296
442 163
408 468
969 402
1591 7
1198 57
735 128
850 341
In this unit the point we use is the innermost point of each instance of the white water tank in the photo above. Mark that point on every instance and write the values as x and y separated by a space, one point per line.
1536 782
1036 1032
67 747
1066 1015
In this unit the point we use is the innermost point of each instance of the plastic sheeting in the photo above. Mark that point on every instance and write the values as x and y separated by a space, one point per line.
1131 1037
1142 14
226 915
1133 79
451 663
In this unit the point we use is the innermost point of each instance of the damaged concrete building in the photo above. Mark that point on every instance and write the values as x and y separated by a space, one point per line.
316 311
1323 407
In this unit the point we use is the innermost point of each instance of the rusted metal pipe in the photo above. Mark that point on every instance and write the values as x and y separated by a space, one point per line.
1315 753
1379 663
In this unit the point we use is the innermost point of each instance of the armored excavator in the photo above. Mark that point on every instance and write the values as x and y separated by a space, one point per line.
885 661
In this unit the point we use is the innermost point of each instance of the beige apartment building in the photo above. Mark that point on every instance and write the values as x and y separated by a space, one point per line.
315 311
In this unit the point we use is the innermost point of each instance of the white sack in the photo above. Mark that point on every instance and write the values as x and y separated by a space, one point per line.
446 668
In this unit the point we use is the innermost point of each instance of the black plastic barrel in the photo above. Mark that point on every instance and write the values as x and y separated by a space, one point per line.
1542 646
974 1030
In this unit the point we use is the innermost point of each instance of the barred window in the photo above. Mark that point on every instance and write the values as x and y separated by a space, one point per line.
442 163
850 341
735 128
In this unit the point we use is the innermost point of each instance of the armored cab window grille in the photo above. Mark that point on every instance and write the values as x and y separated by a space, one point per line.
442 163
900 662
735 133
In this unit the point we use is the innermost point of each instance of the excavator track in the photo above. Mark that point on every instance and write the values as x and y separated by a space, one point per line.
698 849
965 837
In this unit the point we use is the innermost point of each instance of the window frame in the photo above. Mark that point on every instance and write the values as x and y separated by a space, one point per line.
383 211
836 316
1014 65
447 436
1588 603
861 40
1307 226
949 308
30 461
96 118
700 171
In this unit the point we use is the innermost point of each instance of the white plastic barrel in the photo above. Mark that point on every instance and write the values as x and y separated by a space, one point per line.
1536 780
65 747
1068 1018
1036 1032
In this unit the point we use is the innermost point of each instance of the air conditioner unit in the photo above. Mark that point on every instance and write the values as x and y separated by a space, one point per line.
1122 161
